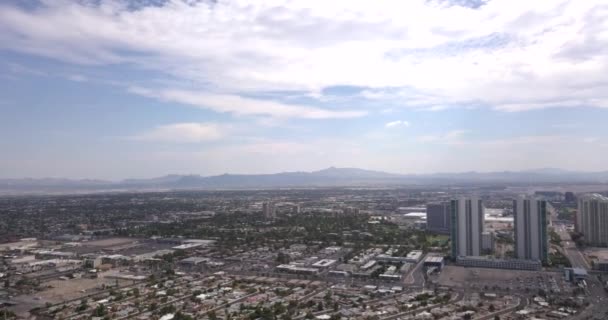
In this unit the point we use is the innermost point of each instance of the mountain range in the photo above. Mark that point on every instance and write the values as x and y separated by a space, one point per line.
323 178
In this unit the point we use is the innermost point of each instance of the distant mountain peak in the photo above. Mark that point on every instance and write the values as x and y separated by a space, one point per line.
331 176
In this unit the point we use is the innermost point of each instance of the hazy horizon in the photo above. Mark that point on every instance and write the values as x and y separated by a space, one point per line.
140 89
548 171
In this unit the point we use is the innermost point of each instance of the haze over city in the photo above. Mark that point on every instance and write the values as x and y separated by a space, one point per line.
303 159
139 89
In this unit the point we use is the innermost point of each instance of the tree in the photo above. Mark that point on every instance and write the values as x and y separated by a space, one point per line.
283 258
211 314
100 311
83 305
181 316
491 308
167 309
278 308
320 306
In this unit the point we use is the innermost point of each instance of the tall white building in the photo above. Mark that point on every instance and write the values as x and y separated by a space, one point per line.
268 209
466 226
530 220
592 219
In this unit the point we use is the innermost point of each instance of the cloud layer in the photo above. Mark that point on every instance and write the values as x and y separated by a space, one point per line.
183 133
509 55
269 85
397 123
244 106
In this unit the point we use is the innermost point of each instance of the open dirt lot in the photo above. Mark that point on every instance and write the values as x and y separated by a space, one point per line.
596 253
61 290
110 242
458 276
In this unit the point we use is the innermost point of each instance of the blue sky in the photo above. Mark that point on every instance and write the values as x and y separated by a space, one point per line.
116 89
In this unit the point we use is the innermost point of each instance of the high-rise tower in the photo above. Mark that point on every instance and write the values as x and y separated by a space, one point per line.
530 219
467 221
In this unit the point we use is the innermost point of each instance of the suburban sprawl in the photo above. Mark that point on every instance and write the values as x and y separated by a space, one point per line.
471 252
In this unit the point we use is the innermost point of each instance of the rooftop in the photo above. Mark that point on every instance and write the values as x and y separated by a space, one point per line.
436 259
594 196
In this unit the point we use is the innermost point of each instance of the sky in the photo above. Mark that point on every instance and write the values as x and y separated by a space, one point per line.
112 89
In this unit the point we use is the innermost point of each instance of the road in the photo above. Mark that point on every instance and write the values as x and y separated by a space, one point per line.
570 250
415 278
595 290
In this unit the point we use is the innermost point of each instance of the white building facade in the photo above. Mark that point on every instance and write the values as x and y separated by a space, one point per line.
467 225
530 220
592 219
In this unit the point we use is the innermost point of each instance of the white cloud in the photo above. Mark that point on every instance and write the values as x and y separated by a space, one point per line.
244 106
450 137
512 55
183 133
77 78
397 123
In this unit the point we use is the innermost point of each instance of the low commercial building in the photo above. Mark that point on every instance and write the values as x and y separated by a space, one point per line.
415 216
367 273
414 256
434 261
514 264
115 260
338 274
390 259
49 254
193 261
368 265
290 268
92 262
323 263
390 274
601 265
406 210
575 274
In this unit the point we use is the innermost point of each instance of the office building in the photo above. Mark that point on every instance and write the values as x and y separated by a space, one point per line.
569 197
438 217
530 223
592 219
269 210
467 219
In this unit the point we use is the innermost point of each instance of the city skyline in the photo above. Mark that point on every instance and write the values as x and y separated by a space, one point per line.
137 89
